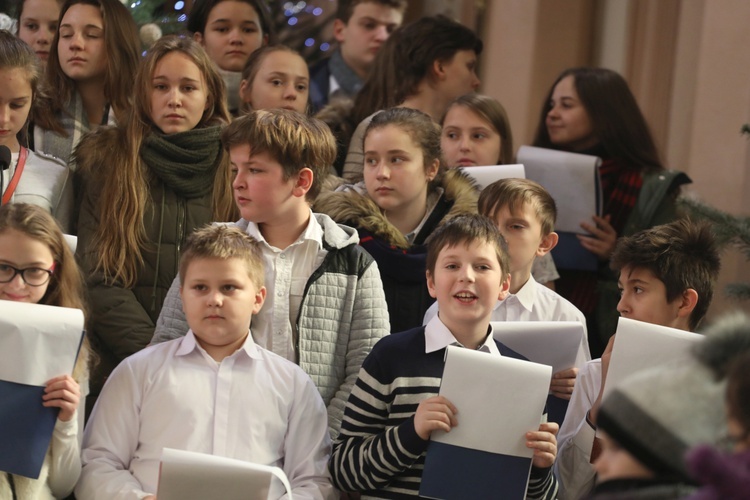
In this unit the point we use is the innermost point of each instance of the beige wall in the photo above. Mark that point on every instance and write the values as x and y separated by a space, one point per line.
688 63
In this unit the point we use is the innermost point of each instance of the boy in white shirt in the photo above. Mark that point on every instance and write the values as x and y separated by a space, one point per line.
213 391
667 274
525 214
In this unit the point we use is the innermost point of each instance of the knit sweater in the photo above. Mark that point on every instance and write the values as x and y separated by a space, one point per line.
378 451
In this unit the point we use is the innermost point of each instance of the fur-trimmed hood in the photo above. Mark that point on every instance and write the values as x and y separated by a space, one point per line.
359 210
97 148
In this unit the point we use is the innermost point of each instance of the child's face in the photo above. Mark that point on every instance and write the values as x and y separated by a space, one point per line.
467 283
568 122
38 25
233 32
468 140
260 191
219 298
282 81
459 75
81 48
368 28
616 463
178 95
644 298
15 103
20 251
395 174
523 233
739 436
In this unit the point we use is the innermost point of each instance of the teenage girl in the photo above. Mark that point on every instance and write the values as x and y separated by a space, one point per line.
592 111
230 31
146 185
275 76
36 266
30 177
37 24
476 132
406 195
94 53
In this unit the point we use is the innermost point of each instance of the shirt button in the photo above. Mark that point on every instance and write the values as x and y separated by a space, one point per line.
279 293
283 256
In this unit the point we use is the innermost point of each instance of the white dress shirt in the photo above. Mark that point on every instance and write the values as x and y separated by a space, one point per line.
253 406
576 437
534 302
286 274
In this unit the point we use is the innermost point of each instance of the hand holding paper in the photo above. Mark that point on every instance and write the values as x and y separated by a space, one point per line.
603 237
435 413
62 392
563 383
544 444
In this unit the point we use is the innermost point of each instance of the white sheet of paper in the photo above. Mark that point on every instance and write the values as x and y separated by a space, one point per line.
72 241
489 174
499 400
187 474
570 178
37 342
553 343
639 346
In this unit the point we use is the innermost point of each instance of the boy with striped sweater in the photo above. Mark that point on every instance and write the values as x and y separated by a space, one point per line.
394 406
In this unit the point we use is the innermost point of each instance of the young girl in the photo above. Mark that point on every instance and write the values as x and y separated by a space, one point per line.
37 266
406 195
275 76
146 184
476 132
230 31
592 111
30 177
94 54
37 24
424 66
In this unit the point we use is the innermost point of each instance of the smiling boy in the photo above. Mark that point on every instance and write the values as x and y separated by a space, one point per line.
213 391
394 406
667 274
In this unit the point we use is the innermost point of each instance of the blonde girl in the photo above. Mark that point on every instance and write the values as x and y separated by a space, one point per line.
37 266
275 76
146 185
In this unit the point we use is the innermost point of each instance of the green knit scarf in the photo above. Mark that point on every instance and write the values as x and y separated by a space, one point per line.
186 161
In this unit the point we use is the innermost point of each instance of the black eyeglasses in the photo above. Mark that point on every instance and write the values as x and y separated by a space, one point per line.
32 276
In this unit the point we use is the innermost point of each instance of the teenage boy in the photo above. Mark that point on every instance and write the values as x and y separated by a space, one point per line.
361 27
525 214
213 391
667 275
394 406
325 306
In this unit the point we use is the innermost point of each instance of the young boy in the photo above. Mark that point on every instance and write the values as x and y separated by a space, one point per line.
360 28
213 391
667 274
394 406
325 306
525 214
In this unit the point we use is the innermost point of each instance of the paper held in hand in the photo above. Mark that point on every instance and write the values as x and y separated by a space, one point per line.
187 474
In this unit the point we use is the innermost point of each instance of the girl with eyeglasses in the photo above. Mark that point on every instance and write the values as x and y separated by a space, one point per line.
37 266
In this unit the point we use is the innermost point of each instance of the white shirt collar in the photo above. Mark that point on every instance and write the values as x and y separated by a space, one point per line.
437 336
189 344
526 296
313 232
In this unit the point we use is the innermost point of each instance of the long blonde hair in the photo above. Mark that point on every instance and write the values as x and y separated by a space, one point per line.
65 287
119 242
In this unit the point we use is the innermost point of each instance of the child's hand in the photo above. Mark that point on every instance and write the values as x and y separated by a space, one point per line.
594 411
432 414
544 444
603 239
563 383
62 392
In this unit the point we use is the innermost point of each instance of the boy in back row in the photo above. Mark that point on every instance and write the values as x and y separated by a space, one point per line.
213 391
325 306
393 407
667 274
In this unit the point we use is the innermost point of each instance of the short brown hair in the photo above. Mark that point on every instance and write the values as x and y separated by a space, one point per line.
513 193
294 140
345 8
467 229
681 254
222 241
